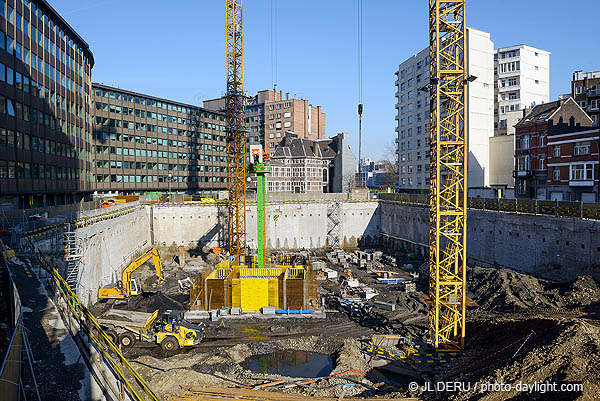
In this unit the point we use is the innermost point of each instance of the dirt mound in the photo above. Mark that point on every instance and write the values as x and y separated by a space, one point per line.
582 291
560 352
496 288
502 289
149 302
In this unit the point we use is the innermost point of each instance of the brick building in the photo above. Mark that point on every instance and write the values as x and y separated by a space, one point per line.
270 114
531 144
573 162
585 89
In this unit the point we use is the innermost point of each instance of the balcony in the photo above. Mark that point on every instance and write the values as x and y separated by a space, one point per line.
523 173
593 92
581 183
509 88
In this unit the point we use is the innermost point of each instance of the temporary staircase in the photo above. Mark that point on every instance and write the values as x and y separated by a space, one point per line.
334 224
73 256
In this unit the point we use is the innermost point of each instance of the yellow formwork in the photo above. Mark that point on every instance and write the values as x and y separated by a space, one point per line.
253 293
254 288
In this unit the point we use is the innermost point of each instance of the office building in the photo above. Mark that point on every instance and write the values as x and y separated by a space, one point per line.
144 143
532 134
585 89
269 114
45 114
522 80
412 129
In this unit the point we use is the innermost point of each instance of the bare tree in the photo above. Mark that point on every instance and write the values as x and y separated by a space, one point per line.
390 160
348 181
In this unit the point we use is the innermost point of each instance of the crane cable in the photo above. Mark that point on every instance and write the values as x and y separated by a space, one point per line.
274 42
360 105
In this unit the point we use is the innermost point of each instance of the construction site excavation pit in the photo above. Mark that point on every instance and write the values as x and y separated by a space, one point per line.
350 319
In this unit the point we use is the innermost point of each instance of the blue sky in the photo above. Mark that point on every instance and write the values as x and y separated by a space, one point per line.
176 49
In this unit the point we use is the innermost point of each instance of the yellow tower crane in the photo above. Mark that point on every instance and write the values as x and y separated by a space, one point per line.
448 168
236 133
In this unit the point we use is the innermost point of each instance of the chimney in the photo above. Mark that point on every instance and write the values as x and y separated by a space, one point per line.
287 95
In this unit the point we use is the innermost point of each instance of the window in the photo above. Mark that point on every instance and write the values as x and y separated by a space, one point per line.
524 163
542 162
10 14
581 172
287 105
556 151
556 174
578 89
525 142
582 148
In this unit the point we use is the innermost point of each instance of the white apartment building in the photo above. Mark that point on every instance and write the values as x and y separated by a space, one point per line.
522 76
412 103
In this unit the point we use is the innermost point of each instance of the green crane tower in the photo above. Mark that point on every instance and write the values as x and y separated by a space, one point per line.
258 167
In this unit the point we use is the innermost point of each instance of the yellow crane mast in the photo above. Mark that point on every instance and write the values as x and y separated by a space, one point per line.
236 133
448 168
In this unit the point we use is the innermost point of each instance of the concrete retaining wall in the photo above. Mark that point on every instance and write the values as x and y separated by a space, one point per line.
291 226
108 247
555 247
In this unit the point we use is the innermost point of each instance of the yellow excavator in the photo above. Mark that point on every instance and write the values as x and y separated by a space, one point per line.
129 286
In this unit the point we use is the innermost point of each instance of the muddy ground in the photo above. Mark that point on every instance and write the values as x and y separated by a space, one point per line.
525 329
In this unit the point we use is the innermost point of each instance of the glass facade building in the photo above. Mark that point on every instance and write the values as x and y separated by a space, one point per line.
144 143
45 107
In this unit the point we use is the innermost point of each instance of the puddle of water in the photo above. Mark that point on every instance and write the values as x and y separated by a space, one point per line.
291 363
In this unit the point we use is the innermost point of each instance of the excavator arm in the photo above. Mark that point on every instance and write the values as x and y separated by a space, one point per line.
126 279
124 290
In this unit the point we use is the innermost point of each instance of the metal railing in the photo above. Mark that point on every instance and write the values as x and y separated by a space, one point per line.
582 210
18 348
87 327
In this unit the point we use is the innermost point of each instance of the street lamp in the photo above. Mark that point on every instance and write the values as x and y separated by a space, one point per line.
170 179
